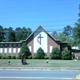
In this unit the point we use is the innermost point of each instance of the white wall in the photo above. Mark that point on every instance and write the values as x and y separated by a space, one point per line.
10 50
5 50
14 50
19 50
50 48
1 50
30 48
43 40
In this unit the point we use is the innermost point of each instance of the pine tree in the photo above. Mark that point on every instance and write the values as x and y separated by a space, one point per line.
24 50
77 30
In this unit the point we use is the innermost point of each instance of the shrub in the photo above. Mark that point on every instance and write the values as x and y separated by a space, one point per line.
0 56
66 55
25 50
8 57
55 54
34 57
13 57
50 57
40 53
30 57
3 57
46 57
17 57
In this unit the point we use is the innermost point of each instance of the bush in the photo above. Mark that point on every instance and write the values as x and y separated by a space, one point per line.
17 57
30 57
34 57
8 57
0 56
50 57
55 54
40 53
46 57
13 57
66 55
25 50
3 57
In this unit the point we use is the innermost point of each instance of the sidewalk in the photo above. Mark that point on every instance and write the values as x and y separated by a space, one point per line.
36 68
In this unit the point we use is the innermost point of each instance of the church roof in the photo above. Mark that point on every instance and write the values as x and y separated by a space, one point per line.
32 34
46 33
44 30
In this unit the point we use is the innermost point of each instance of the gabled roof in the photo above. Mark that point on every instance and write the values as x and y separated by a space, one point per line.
32 34
36 30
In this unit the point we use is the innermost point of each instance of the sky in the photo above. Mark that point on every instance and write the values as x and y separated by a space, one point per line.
50 14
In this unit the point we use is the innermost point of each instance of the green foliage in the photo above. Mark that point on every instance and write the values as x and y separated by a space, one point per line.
46 57
3 57
17 57
77 30
40 53
66 55
55 54
0 56
68 31
30 57
13 57
33 57
1 34
11 35
8 57
25 50
22 33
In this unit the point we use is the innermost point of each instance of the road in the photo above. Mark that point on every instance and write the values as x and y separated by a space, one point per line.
38 74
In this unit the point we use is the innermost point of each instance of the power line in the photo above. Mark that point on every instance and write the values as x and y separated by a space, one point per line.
30 6
42 21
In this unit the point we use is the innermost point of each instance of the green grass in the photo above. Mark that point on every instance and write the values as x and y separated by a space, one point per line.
41 64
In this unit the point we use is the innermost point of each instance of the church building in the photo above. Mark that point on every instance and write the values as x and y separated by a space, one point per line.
39 38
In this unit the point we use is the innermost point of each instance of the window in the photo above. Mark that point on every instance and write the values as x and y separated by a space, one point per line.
14 45
1 45
30 48
10 45
51 48
5 45
19 45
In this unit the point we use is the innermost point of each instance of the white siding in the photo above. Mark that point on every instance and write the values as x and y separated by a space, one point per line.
18 50
30 48
5 50
50 48
43 40
10 50
14 50
1 50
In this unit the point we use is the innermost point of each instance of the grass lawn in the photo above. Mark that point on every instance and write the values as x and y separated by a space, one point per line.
40 64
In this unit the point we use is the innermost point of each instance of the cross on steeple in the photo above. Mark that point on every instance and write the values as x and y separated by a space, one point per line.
39 40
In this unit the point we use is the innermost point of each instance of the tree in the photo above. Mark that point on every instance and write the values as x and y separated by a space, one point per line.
22 33
55 54
25 50
77 30
68 31
11 35
66 55
26 32
18 34
40 53
61 36
54 34
1 34
5 34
